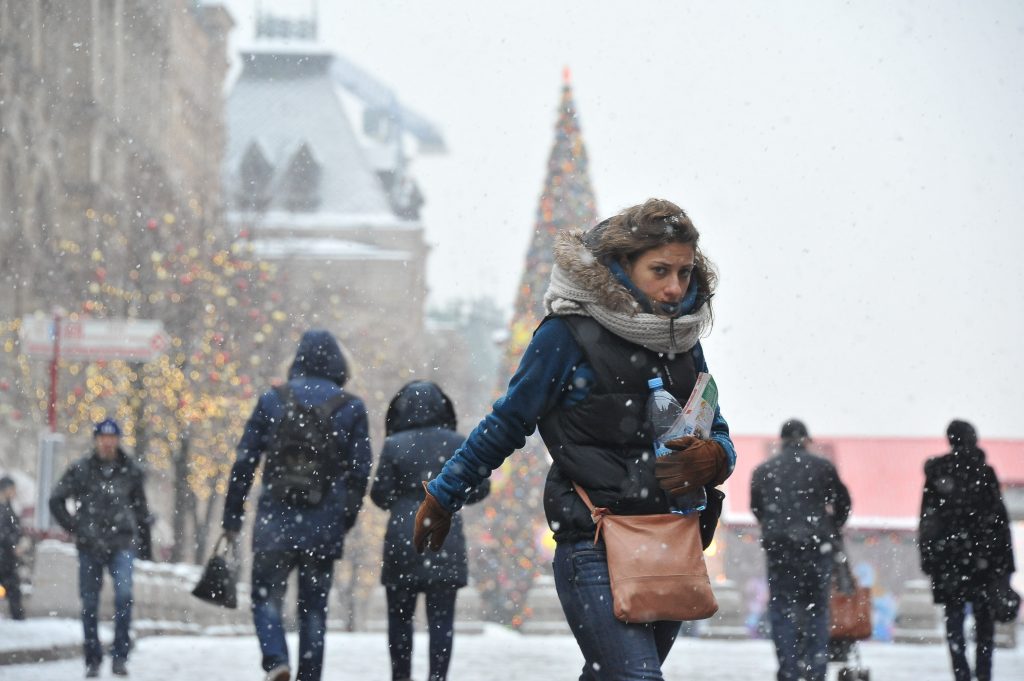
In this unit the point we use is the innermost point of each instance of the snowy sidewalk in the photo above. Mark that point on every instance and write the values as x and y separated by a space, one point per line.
496 655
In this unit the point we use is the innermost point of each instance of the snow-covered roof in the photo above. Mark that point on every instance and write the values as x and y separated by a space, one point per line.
323 249
284 100
322 221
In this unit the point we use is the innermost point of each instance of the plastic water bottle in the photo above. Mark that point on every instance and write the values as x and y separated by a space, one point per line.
663 411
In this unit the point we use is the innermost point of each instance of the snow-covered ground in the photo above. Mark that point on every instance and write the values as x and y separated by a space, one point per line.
495 655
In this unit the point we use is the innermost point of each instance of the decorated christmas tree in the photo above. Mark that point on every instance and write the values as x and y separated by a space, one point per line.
520 543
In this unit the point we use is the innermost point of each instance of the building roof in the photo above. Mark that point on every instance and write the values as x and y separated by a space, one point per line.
885 476
285 101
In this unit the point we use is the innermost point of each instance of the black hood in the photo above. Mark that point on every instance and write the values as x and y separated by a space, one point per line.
419 404
319 356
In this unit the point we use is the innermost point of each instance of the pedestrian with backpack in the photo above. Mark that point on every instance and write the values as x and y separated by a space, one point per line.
313 436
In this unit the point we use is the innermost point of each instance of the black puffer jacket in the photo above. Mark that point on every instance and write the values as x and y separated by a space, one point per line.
799 500
112 511
964 533
420 426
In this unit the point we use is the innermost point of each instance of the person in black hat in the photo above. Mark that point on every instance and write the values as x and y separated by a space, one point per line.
111 529
964 542
10 535
801 504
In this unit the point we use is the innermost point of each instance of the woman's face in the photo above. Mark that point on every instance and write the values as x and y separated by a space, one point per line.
663 273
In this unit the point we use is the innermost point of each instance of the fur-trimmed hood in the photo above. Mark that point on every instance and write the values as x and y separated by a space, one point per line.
581 284
573 256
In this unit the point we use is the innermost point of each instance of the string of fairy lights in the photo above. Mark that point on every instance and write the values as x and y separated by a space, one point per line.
514 508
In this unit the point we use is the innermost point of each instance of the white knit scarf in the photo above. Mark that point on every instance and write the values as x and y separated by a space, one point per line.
567 294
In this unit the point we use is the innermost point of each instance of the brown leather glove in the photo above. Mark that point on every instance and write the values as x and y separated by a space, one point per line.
432 522
695 463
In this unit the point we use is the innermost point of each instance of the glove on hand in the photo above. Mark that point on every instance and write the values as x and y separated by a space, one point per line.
432 522
695 463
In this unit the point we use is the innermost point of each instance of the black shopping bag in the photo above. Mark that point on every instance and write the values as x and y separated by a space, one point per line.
219 582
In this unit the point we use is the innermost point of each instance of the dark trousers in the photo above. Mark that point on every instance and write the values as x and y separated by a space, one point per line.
612 650
270 570
798 611
440 624
984 633
11 583
90 581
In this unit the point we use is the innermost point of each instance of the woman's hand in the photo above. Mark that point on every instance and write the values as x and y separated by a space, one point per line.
432 522
694 463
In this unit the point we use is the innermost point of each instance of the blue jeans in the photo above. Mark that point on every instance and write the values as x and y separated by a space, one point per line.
612 650
90 581
270 570
798 611
440 623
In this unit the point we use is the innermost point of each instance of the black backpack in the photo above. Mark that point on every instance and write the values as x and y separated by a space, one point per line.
299 458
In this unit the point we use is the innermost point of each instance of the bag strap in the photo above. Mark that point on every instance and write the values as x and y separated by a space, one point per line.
223 547
326 409
597 513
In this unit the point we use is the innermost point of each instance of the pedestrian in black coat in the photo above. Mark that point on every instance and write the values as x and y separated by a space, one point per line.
964 541
420 428
801 504
10 535
111 529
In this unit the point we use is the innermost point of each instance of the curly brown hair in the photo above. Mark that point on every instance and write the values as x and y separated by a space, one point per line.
653 223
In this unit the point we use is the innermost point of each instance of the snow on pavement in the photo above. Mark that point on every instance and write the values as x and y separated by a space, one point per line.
495 655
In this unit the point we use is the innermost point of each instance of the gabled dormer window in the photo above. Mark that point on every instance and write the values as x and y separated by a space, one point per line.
302 181
255 173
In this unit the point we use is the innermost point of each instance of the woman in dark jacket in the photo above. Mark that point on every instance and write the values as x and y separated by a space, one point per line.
628 300
964 540
420 428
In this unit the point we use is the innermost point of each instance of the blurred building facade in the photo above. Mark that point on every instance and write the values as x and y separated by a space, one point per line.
111 130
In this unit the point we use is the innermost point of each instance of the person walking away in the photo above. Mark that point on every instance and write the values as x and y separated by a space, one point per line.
111 529
801 505
10 535
964 542
420 426
628 301
314 439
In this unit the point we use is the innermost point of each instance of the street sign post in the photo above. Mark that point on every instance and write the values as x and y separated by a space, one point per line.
133 340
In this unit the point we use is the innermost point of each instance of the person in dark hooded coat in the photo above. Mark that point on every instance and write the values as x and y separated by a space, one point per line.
420 427
307 537
964 541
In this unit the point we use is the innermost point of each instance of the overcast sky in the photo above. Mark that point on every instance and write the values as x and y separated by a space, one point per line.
856 171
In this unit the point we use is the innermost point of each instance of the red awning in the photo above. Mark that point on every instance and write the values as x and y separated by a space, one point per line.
884 475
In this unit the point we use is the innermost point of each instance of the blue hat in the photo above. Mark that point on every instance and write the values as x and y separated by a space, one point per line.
107 427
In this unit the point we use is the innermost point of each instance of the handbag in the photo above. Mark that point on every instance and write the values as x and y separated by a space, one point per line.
849 605
1005 601
219 582
655 565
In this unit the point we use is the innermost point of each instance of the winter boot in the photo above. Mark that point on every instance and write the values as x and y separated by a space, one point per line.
279 673
92 670
119 668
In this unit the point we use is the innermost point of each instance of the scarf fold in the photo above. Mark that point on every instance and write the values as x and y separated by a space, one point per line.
580 285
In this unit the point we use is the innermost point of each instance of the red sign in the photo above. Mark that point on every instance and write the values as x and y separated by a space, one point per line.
133 340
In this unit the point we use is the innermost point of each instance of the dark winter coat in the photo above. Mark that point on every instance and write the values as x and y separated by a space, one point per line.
112 511
799 500
964 533
317 374
420 424
10 535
